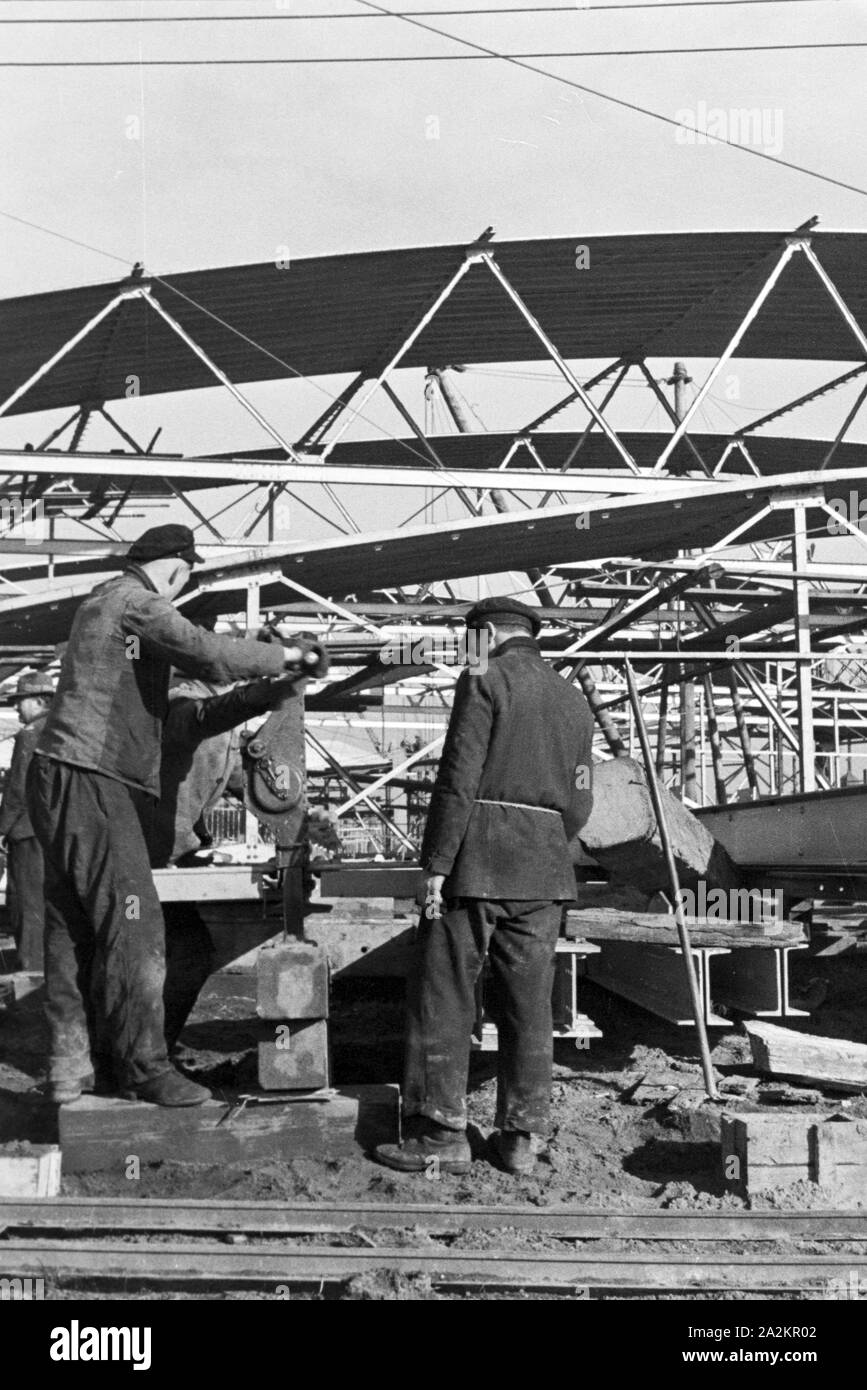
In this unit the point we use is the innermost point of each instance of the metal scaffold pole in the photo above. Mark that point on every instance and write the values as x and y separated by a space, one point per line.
674 882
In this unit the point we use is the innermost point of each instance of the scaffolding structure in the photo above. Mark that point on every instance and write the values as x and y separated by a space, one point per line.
690 554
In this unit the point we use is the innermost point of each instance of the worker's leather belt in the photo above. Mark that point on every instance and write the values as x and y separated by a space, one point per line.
521 805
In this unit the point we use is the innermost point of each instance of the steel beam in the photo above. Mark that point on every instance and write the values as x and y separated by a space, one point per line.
310 470
793 244
147 296
560 362
806 733
401 351
67 347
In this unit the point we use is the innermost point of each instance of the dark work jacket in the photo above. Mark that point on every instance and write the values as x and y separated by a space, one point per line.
200 752
514 781
14 816
112 696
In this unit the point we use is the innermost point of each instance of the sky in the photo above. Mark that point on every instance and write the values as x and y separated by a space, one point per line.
192 166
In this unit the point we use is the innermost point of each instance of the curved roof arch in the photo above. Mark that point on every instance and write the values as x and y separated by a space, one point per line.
643 295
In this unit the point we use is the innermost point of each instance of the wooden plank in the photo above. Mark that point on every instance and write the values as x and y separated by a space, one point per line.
99 1133
833 1062
658 928
216 883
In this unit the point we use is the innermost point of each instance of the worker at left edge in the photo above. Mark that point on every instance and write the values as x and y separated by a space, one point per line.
98 755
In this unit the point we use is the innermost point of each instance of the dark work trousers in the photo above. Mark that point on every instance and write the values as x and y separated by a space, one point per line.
104 933
520 939
189 962
25 894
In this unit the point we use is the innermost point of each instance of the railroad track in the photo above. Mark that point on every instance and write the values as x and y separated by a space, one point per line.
109 1214
74 1242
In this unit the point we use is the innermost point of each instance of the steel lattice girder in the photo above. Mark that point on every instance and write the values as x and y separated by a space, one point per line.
656 295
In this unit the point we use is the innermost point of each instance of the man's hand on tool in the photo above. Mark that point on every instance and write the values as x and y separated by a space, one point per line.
432 895
302 656
307 659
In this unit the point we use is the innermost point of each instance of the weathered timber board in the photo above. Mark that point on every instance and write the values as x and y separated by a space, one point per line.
613 924
806 1056
102 1134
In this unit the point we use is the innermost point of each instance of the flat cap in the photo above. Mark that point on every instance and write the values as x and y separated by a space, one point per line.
161 542
505 611
33 683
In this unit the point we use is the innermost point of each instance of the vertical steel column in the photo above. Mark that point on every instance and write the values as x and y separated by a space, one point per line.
715 744
689 783
661 727
253 617
804 674
773 788
781 752
689 786
743 732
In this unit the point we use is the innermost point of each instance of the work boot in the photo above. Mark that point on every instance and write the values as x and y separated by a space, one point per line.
100 1081
66 1091
512 1150
170 1088
429 1148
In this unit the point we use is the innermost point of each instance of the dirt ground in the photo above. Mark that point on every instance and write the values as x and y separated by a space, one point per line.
630 1126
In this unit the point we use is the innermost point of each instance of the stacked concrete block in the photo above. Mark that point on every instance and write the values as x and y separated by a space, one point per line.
292 981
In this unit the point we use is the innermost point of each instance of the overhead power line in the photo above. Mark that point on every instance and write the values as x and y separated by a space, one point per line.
619 101
61 236
402 14
569 9
411 57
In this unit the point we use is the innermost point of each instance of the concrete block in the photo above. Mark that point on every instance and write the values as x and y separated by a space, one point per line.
29 1170
292 981
364 945
293 1056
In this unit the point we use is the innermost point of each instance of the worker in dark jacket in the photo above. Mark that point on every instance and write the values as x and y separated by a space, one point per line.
200 760
513 787
97 757
24 867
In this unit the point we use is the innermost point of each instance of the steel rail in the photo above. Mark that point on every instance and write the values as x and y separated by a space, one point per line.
83 1214
268 1267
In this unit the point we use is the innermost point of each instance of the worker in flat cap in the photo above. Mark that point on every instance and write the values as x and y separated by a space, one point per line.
96 759
512 788
24 867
